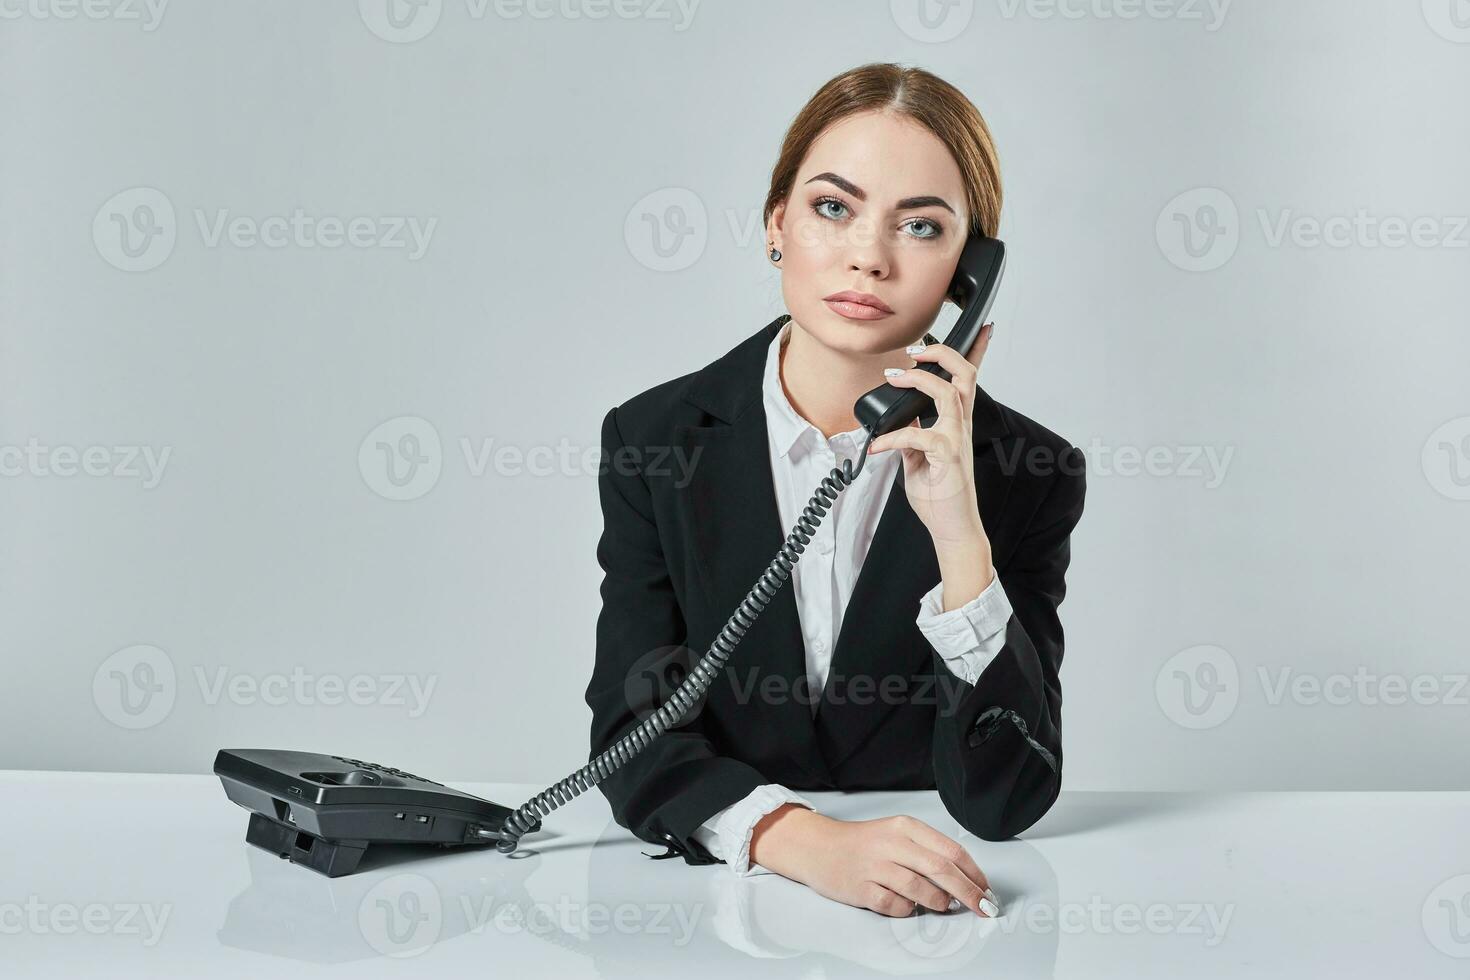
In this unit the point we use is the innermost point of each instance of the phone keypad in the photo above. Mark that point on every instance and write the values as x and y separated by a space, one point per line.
389 770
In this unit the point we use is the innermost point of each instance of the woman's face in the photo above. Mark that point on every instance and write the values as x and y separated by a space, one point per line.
877 207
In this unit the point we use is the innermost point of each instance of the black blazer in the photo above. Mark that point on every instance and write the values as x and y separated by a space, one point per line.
682 544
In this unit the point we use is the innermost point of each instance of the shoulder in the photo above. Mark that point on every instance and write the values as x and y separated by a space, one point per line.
720 391
1045 467
651 415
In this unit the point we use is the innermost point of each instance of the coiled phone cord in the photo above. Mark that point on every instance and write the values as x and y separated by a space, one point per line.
672 711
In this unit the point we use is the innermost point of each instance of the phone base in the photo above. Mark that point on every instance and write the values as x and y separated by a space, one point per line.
333 858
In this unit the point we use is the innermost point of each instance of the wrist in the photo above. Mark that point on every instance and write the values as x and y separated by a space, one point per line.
772 837
966 568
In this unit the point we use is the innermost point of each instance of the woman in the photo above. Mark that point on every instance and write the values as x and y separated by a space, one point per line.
918 643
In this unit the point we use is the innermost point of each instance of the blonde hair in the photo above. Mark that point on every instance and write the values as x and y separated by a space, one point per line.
921 96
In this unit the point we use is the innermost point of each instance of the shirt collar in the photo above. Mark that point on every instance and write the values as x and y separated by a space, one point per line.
782 421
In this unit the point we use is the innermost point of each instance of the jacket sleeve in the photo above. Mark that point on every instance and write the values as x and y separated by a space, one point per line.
678 780
998 742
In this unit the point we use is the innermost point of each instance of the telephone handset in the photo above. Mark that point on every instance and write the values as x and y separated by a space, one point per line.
323 810
976 277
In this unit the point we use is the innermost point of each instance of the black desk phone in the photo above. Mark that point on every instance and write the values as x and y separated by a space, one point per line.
322 811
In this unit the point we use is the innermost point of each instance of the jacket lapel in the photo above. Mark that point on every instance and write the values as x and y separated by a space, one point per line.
736 531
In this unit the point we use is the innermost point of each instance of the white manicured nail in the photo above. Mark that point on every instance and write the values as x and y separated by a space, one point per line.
955 904
892 372
989 908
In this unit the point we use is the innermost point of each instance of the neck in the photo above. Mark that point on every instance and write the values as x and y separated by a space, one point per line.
823 385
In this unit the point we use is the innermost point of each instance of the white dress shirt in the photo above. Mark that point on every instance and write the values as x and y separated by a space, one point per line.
966 638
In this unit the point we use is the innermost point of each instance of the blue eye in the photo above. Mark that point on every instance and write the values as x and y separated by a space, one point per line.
925 221
821 201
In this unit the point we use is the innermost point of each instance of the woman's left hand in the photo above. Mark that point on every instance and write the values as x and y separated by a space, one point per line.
939 462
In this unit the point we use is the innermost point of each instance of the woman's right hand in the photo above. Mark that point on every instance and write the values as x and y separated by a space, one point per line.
889 865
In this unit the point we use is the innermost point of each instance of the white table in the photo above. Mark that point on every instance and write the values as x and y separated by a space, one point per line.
120 875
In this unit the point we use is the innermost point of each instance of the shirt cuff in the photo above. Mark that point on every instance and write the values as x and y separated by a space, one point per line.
968 638
727 834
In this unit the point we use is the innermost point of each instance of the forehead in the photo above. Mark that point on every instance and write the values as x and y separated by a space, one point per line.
888 156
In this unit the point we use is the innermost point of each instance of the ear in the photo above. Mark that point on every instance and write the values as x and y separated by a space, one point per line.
778 216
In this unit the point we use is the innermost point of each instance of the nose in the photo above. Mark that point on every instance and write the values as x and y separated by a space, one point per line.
869 258
867 251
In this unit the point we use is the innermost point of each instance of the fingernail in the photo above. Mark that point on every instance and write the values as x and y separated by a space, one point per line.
991 895
893 372
915 348
989 908
955 904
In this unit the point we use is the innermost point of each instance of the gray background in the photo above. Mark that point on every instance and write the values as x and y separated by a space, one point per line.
1328 379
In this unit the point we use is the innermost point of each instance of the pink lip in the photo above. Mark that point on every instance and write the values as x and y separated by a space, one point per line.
857 306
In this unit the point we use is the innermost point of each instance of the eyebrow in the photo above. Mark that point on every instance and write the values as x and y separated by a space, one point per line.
923 201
